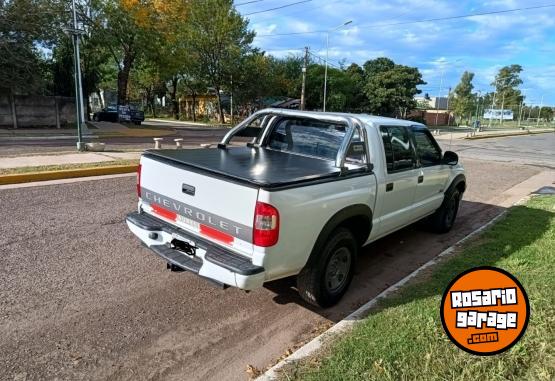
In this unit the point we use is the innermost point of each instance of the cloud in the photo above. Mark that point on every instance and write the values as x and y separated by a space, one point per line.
481 44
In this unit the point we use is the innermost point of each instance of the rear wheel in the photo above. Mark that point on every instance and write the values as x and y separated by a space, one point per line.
326 279
444 218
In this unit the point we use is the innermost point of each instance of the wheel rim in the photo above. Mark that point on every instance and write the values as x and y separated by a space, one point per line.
337 270
451 211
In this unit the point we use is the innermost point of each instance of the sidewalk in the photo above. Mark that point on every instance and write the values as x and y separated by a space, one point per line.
103 130
446 135
66 159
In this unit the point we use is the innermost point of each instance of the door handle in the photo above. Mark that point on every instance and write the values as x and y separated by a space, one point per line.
388 187
420 179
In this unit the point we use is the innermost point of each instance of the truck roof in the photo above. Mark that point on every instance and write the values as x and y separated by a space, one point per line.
368 119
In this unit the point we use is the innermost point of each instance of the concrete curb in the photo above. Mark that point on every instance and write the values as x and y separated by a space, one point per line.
19 178
349 322
478 137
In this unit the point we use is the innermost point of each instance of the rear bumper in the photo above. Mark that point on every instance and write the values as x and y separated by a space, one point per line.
210 261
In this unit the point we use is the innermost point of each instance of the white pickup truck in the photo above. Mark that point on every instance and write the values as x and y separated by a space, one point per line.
304 193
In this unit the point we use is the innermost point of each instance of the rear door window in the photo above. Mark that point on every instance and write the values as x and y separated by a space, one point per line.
399 151
307 137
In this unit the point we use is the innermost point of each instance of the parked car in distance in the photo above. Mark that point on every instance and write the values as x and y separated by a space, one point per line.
127 114
300 199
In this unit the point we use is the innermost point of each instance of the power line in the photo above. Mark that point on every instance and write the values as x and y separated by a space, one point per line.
324 60
276 8
249 2
370 26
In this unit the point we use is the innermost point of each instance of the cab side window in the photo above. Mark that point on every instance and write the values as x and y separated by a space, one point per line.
399 152
427 149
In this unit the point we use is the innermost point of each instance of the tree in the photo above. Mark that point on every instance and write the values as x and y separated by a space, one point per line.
133 29
358 103
506 86
462 100
390 88
26 26
218 36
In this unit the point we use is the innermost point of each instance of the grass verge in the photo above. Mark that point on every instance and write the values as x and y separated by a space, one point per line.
402 339
51 168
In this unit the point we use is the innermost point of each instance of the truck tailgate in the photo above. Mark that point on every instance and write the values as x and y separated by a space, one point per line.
218 210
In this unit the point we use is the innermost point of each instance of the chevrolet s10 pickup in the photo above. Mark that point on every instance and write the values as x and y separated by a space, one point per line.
293 193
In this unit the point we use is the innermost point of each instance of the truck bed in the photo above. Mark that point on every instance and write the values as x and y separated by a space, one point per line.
258 167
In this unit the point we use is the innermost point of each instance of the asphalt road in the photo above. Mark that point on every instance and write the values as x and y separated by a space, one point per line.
80 298
538 150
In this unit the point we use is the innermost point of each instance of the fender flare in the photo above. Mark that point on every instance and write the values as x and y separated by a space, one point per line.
357 210
460 178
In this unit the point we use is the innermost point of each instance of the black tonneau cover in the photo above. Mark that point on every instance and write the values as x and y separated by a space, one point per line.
261 167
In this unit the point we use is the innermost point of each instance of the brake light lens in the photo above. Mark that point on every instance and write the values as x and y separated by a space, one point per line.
139 181
266 225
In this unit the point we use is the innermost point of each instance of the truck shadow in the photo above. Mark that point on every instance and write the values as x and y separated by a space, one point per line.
390 259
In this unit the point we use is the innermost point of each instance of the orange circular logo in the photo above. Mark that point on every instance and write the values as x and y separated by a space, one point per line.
485 310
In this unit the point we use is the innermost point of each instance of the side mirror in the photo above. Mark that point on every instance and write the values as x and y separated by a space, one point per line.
450 158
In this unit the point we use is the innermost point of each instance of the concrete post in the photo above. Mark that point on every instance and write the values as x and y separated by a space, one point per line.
178 142
158 143
57 112
14 113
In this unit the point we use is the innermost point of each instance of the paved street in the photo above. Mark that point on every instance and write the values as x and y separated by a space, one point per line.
80 298
537 150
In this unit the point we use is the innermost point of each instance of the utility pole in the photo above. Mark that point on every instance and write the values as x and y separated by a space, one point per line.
503 108
539 113
303 100
326 70
439 96
448 113
520 112
80 113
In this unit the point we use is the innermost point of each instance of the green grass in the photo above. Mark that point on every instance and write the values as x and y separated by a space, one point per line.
403 338
49 168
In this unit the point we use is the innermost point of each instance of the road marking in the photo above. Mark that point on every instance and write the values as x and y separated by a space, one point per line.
64 181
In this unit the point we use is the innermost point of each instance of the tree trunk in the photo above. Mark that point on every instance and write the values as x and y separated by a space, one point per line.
194 95
123 77
100 99
220 110
175 102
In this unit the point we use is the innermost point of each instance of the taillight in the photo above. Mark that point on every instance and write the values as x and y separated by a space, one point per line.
266 225
139 181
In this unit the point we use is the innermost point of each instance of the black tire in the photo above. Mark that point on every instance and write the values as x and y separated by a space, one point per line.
326 278
96 118
444 218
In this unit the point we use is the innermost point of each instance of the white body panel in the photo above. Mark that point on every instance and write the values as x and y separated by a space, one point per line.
303 213
213 197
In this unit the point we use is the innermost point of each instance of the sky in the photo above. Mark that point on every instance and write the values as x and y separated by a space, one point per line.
442 50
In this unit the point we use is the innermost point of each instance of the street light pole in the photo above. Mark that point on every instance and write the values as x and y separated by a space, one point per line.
80 113
539 113
327 56
479 94
303 96
439 96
